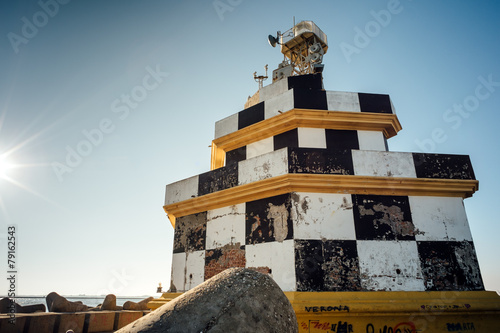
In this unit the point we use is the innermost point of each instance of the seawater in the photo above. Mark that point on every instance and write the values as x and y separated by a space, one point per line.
90 301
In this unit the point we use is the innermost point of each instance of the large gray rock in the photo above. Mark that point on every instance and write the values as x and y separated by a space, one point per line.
236 300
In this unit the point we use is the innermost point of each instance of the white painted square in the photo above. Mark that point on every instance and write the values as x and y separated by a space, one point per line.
195 269
273 89
188 270
371 140
182 190
342 101
226 126
225 226
261 147
311 137
263 167
280 103
322 216
390 266
439 219
383 164
178 266
279 257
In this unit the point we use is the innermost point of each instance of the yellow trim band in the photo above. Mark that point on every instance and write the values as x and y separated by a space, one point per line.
390 311
321 183
367 121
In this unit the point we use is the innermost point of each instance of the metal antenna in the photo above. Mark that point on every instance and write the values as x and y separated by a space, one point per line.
260 78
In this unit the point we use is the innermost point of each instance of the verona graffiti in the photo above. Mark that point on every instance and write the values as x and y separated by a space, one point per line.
327 308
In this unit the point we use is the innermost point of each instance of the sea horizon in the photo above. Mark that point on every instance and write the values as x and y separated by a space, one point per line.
89 300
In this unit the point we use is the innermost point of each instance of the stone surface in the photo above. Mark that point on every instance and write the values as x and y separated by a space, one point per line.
236 300
142 305
57 303
109 303
6 306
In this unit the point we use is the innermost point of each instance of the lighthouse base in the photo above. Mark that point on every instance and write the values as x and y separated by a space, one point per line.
390 311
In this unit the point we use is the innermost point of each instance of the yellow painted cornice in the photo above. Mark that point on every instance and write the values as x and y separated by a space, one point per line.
381 303
321 183
367 121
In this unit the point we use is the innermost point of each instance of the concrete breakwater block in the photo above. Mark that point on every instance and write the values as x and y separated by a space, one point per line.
236 300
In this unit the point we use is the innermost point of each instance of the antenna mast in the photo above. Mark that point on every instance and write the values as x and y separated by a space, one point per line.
260 78
303 47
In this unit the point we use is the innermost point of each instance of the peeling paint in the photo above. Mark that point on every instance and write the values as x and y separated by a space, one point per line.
443 166
383 218
190 233
218 179
320 161
449 265
327 265
279 216
268 220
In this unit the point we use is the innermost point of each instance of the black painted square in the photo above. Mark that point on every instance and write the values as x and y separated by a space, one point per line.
341 139
218 179
377 103
449 266
308 81
286 139
251 115
268 220
236 155
327 265
444 166
309 99
382 217
322 161
190 233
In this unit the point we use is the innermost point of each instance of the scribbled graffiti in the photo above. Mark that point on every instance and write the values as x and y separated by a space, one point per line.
318 325
459 327
445 306
403 327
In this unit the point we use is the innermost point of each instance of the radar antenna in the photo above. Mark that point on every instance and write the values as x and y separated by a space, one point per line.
303 47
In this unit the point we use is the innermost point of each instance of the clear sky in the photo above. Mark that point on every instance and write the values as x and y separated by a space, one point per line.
103 103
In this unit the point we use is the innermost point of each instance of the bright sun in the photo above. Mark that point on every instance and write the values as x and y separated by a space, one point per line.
5 166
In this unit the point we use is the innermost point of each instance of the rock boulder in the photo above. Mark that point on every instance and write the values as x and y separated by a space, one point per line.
109 303
57 303
236 300
142 305
8 306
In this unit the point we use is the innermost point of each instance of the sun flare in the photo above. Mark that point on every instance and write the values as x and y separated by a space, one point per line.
6 164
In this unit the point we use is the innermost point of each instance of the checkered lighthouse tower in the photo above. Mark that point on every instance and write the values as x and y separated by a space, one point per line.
302 187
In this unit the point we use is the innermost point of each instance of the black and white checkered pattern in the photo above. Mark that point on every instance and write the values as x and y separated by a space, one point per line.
335 242
326 241
301 92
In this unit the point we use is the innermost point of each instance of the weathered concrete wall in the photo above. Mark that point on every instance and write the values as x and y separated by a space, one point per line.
263 167
333 242
341 157
304 137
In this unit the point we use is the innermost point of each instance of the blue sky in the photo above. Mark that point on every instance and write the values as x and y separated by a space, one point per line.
136 87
